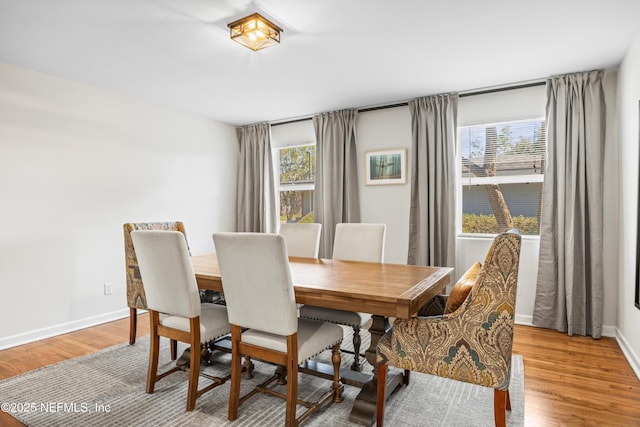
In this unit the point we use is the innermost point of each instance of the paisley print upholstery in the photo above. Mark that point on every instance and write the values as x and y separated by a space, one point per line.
435 307
472 344
136 297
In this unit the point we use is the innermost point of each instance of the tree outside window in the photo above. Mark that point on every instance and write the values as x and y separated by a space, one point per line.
502 167
297 183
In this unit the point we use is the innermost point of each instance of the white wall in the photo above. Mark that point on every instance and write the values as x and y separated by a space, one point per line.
76 163
628 110
387 204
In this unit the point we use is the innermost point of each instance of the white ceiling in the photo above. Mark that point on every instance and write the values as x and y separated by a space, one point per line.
334 54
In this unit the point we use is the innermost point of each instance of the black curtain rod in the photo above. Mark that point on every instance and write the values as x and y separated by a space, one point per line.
404 104
291 121
502 89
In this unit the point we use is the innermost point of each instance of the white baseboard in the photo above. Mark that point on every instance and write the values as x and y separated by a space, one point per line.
63 328
523 320
628 352
609 331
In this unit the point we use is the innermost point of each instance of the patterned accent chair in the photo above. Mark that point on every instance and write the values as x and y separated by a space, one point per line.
136 297
473 343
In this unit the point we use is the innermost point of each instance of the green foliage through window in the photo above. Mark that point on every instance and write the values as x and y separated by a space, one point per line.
297 183
297 164
487 224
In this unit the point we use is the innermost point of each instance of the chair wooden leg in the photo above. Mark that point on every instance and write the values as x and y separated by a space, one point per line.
236 372
500 407
248 368
356 349
173 344
336 360
281 373
406 377
508 401
292 380
154 350
194 363
382 385
133 324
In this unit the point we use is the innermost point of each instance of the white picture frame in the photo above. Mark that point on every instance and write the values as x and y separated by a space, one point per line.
386 167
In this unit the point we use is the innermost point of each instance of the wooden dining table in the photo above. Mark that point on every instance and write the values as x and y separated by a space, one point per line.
383 290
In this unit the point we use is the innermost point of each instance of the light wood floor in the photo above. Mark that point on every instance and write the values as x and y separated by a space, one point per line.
569 381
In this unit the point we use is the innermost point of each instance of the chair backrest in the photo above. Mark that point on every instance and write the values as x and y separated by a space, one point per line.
302 239
359 242
497 281
257 281
491 305
165 267
136 296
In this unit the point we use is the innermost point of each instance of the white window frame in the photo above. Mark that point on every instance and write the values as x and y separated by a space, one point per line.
288 187
472 181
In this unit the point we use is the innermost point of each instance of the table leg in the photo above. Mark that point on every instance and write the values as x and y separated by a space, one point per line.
364 408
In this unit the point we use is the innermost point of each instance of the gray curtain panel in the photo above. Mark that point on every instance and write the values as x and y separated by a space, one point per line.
432 234
256 203
336 192
569 294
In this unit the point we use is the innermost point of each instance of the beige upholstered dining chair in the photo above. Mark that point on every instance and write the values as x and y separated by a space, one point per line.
136 297
471 344
172 291
260 300
353 242
302 239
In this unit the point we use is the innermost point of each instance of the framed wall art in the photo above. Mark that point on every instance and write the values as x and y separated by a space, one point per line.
386 167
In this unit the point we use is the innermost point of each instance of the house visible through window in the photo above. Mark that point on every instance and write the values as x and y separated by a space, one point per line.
297 183
502 174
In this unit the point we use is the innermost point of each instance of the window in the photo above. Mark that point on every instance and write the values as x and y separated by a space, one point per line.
297 182
502 173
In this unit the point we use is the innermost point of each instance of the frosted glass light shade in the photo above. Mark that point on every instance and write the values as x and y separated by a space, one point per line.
255 32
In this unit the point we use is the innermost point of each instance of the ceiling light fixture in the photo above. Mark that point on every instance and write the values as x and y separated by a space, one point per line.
255 32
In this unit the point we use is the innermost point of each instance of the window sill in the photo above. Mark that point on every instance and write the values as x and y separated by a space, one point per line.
478 236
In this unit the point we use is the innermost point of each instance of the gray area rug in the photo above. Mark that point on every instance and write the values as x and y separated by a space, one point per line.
107 388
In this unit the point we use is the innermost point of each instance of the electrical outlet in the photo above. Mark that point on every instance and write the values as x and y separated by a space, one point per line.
107 288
